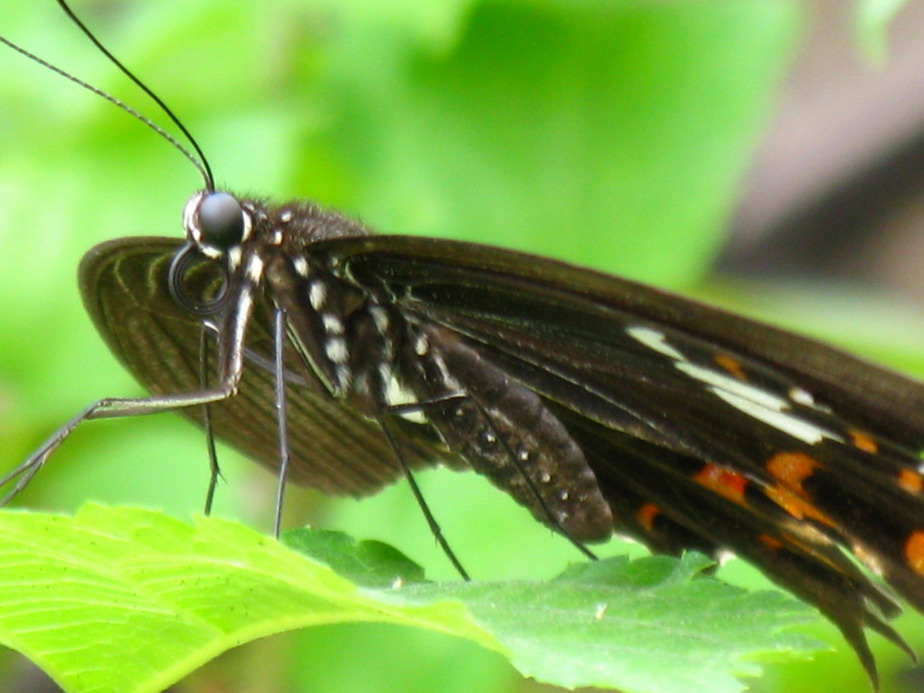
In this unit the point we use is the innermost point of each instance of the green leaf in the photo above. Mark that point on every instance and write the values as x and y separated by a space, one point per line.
129 600
367 563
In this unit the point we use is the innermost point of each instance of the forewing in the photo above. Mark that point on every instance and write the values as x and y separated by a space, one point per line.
332 448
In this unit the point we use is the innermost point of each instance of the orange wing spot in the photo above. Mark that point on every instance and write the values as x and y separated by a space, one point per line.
863 441
722 481
914 551
792 468
797 506
732 365
646 515
911 481
771 542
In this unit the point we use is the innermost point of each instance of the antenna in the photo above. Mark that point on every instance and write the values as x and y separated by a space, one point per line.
200 162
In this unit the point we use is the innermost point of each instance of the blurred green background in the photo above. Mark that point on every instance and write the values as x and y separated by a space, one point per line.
606 132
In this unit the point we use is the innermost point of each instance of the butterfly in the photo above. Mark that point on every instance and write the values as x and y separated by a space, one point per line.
349 360
597 403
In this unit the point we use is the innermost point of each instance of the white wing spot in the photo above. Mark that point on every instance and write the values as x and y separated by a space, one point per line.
787 423
720 381
422 345
655 341
800 396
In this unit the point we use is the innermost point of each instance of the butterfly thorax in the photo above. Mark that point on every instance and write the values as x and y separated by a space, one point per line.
371 351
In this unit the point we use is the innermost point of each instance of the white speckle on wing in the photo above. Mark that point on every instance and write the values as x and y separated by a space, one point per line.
655 341
720 381
800 396
780 420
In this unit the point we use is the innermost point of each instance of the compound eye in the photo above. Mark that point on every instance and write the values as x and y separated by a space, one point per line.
221 220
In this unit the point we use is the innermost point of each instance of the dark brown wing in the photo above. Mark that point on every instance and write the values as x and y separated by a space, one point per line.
333 449
705 429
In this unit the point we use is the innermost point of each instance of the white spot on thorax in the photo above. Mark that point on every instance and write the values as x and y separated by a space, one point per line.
396 395
233 255
317 294
380 318
301 267
254 269
336 350
332 324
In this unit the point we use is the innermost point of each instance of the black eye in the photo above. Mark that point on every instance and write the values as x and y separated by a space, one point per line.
221 220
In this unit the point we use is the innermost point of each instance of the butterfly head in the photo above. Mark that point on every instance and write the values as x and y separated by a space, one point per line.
216 223
217 226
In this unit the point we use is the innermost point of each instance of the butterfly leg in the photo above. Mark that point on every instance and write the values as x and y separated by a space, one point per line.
434 526
214 469
108 408
279 336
